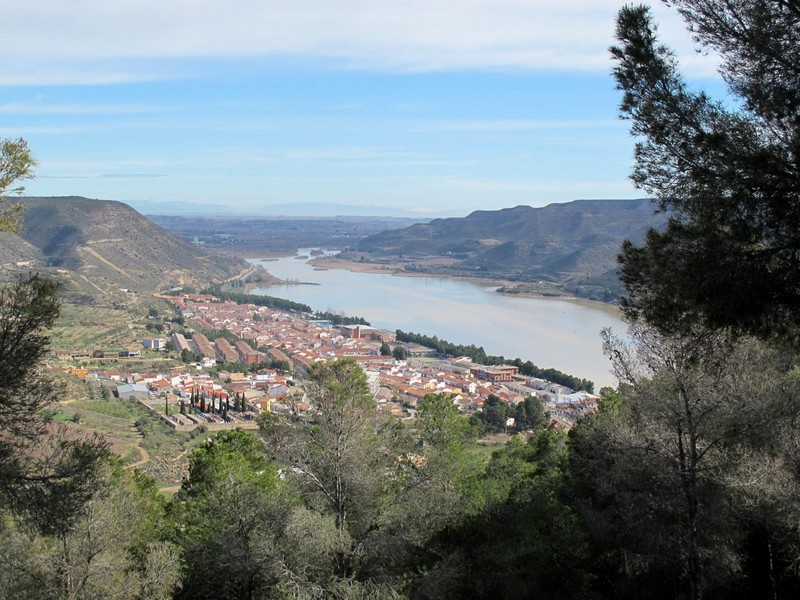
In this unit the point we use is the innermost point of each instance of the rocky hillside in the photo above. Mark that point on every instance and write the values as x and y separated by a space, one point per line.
111 244
573 245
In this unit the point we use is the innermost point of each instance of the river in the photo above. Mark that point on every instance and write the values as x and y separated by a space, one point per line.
550 332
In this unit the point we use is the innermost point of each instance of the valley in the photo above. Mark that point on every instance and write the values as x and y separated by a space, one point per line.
254 237
114 306
567 249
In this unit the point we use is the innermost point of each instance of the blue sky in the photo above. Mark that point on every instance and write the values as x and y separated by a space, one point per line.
422 105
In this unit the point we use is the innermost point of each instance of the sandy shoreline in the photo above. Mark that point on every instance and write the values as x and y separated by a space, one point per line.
322 263
396 269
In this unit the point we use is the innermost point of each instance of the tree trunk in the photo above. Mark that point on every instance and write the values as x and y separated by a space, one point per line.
688 456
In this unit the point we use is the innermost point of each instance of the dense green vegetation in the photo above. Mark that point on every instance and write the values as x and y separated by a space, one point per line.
478 354
341 503
46 475
528 414
281 304
338 319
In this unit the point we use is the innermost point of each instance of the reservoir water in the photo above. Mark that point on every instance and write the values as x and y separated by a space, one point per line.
550 332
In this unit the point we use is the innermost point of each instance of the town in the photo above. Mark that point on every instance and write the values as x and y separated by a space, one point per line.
206 393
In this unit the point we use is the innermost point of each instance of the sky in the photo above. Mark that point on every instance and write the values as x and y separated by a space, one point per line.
421 107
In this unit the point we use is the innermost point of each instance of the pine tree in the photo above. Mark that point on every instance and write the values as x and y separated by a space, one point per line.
728 174
46 474
521 417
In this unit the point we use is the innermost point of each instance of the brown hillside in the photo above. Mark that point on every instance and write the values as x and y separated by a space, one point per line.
110 243
573 245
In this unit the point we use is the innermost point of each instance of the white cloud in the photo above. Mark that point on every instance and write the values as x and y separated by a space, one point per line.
521 125
30 130
108 176
573 187
20 108
102 41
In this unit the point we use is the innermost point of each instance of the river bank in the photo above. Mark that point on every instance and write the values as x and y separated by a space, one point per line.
553 332
503 286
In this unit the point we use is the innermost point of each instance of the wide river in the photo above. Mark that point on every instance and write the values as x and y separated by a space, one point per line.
550 332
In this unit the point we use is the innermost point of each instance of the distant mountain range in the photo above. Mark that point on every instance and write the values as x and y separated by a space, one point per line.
572 245
112 245
300 209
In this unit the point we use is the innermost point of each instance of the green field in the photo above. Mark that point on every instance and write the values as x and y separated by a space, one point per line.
112 408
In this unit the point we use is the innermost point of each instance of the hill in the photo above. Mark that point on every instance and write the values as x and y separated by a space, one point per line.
111 245
571 245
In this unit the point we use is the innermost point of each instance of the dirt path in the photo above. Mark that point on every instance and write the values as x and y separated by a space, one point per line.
144 460
170 490
246 272
103 260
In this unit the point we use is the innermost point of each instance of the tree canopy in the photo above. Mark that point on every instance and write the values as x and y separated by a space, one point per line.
46 472
727 172
695 456
16 164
